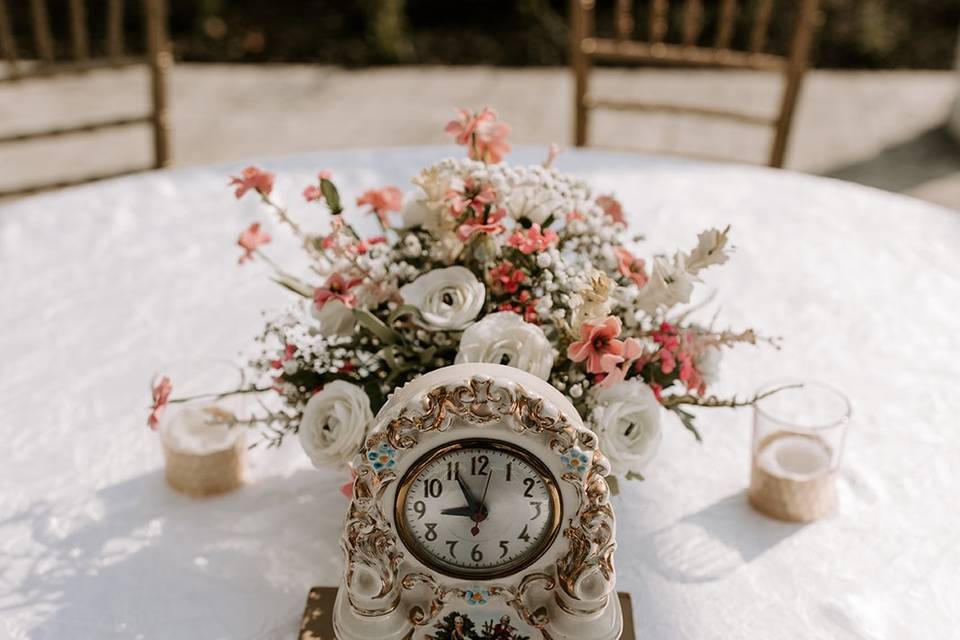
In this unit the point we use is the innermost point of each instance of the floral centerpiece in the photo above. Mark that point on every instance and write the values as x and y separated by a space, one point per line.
482 262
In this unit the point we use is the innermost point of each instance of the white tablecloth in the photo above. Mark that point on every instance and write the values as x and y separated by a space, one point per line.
101 285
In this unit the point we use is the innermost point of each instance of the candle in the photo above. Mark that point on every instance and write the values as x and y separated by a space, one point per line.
795 457
204 455
792 477
198 430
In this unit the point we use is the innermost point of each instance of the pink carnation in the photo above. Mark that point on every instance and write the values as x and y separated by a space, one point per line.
484 136
253 178
382 201
161 397
612 207
251 240
631 266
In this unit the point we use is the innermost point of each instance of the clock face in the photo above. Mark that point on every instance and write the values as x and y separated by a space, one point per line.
478 509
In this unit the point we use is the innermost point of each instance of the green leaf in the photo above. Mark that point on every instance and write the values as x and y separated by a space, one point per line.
427 355
688 420
549 221
291 283
633 475
389 356
331 195
374 325
403 310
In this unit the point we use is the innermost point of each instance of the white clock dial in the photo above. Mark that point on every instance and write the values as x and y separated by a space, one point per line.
478 508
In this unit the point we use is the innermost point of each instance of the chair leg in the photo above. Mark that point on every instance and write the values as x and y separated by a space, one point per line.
796 69
160 61
579 19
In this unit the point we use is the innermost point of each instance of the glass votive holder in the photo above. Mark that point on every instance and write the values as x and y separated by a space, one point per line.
798 438
203 455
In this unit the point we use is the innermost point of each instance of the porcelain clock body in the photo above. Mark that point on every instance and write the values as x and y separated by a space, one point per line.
479 510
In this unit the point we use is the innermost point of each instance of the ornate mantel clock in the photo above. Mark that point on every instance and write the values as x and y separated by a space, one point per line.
480 510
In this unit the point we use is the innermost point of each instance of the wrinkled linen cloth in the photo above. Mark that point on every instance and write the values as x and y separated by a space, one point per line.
101 285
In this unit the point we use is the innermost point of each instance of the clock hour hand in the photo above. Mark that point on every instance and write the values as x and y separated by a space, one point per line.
466 512
472 503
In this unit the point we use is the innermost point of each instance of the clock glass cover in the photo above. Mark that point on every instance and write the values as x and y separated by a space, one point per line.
478 509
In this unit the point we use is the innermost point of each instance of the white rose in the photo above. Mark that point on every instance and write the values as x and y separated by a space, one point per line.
334 423
335 318
447 298
504 338
627 417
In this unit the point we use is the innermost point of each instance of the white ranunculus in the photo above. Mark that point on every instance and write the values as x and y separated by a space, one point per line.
627 418
335 318
531 203
447 298
669 284
505 338
334 423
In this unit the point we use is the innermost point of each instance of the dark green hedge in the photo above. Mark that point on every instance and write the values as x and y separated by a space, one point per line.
918 34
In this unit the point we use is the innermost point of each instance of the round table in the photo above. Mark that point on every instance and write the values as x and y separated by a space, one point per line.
102 284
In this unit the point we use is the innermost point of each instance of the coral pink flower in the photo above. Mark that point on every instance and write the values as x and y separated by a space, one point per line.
382 201
612 207
507 277
483 135
336 288
161 396
617 371
532 240
491 226
473 196
631 266
251 240
598 344
253 178
575 215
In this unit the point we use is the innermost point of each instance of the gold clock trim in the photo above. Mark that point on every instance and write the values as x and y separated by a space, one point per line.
472 443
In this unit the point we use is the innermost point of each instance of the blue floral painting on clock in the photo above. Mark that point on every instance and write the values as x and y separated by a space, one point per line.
459 626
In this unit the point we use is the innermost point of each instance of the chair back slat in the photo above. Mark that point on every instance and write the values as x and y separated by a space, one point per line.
692 21
761 24
725 24
623 23
8 46
115 29
41 30
78 30
659 12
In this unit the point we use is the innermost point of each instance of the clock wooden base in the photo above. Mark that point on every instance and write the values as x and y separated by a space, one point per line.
317 622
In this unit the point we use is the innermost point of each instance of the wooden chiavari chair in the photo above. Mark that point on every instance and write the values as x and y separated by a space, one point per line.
585 49
44 64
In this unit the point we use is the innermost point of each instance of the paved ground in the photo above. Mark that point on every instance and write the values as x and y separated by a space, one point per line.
884 129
